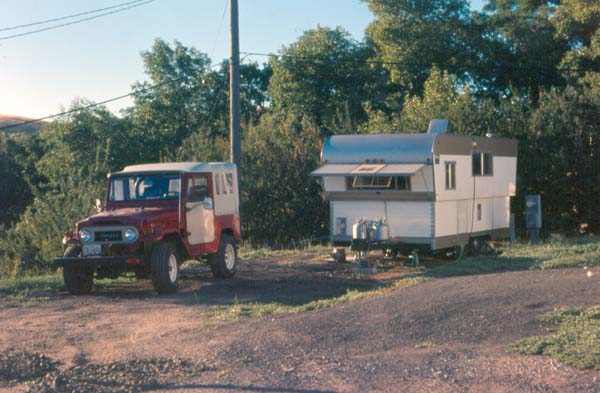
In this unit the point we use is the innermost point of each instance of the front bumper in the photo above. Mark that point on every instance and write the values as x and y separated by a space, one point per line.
114 262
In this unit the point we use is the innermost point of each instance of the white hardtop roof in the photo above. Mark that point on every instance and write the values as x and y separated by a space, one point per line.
194 167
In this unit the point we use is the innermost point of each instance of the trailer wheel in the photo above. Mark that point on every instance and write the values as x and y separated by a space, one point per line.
223 263
78 280
164 263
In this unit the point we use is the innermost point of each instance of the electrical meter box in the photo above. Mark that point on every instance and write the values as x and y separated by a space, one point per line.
533 211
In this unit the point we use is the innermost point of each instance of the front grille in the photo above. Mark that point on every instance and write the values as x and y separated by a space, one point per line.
108 236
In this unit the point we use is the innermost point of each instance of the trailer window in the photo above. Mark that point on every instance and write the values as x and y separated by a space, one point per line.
378 182
483 164
450 176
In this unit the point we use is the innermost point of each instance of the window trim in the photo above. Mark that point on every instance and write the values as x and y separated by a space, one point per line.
450 164
482 154
392 185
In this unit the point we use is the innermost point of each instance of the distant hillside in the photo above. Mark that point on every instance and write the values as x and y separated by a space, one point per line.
7 120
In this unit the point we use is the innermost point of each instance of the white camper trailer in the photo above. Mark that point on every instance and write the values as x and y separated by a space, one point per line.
435 190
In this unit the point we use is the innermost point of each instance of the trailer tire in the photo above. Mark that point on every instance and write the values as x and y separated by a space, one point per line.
78 280
164 264
223 263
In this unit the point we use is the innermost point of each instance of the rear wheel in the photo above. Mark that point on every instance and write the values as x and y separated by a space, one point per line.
78 280
165 268
223 263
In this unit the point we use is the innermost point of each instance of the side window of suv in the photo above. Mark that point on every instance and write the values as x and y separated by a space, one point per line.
197 189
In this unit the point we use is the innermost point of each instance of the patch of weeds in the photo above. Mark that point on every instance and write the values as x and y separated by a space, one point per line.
15 301
247 252
109 282
576 341
257 309
564 254
29 286
245 360
426 344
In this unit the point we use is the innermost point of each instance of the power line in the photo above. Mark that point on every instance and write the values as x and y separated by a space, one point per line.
76 21
69 16
220 27
141 90
416 64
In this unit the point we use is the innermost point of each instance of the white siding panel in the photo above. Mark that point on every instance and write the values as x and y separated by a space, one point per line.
446 218
502 212
410 219
406 219
422 181
334 183
353 210
502 183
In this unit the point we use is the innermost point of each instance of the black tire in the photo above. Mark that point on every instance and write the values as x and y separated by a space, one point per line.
163 260
78 280
220 262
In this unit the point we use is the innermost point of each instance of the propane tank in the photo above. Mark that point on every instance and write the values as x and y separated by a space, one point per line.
359 230
381 230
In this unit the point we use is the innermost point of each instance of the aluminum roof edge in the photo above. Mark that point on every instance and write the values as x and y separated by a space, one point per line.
372 148
409 148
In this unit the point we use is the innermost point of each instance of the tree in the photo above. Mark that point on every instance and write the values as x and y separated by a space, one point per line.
186 96
281 202
409 36
323 73
87 144
441 98
16 194
578 22
169 107
519 47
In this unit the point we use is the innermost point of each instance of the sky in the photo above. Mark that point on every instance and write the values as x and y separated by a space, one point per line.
43 73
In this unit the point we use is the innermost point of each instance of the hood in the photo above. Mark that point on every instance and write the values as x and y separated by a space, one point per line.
128 216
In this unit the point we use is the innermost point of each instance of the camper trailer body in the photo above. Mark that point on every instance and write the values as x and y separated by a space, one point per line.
435 191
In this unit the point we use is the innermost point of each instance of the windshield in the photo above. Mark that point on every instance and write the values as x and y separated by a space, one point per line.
144 187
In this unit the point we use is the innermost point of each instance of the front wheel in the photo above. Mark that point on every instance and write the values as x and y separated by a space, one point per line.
78 280
223 263
165 268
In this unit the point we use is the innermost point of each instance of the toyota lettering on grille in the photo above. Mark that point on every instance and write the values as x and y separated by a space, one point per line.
111 236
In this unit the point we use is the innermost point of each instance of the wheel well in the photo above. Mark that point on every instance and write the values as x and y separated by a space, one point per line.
176 240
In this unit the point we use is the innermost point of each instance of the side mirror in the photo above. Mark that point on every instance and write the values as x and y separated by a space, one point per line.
208 203
98 205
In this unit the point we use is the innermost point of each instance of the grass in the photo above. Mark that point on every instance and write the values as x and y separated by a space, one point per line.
248 253
575 342
568 253
28 290
278 307
565 254
31 285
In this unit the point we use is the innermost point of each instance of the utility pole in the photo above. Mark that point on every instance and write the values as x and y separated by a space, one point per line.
234 93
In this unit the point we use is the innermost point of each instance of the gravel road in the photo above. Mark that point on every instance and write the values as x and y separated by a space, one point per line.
448 334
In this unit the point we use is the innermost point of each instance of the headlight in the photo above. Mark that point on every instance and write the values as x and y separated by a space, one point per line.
85 235
130 234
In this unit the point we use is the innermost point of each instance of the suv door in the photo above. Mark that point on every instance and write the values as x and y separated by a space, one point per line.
199 210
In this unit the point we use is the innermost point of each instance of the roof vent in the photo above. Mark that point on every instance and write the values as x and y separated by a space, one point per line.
438 126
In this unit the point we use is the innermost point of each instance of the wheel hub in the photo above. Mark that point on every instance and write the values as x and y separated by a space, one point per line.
172 268
229 257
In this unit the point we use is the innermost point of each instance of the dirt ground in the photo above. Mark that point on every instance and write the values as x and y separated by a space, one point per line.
447 334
